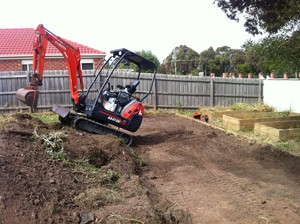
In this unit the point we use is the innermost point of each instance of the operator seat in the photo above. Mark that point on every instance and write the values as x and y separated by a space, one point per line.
124 96
131 87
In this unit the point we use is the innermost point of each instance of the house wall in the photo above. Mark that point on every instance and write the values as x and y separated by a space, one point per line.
50 64
10 65
55 64
97 61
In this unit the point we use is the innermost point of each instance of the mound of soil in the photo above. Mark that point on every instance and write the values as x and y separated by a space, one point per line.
55 174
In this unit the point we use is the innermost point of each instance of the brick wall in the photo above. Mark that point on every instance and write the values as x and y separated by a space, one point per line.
56 64
50 64
10 65
98 61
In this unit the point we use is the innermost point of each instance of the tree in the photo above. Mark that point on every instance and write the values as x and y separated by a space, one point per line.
244 68
146 54
254 58
150 56
268 15
181 61
223 59
280 53
224 54
237 58
207 62
162 69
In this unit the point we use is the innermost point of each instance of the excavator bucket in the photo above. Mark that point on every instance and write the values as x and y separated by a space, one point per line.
28 96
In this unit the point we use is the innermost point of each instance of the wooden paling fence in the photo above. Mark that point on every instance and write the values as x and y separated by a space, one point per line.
169 91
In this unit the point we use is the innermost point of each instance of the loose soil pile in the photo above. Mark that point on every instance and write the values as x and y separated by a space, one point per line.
92 179
177 171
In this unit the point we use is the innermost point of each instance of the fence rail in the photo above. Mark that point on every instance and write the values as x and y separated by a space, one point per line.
169 91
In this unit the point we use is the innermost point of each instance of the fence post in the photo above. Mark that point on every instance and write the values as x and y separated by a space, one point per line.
211 92
260 90
155 94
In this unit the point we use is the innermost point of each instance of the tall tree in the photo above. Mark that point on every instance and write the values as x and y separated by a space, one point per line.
238 57
181 61
224 56
280 54
254 58
207 61
223 59
267 15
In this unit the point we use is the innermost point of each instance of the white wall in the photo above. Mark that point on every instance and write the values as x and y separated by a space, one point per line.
282 94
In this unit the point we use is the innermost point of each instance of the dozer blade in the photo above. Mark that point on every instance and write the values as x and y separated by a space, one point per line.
61 111
28 96
65 115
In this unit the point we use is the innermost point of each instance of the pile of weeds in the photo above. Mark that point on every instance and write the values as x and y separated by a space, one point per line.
53 144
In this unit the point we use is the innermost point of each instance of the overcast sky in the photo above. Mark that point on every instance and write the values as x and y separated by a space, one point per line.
155 25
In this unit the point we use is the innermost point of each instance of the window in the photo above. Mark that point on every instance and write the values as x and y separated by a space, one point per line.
27 65
87 64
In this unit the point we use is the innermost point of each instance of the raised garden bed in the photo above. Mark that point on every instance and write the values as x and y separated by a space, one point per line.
279 131
218 115
246 121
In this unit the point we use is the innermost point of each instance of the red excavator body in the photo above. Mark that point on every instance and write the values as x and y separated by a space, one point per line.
97 112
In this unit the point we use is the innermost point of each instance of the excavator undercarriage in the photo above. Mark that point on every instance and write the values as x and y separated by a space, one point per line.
82 122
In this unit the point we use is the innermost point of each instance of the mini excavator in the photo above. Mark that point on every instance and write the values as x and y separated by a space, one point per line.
108 110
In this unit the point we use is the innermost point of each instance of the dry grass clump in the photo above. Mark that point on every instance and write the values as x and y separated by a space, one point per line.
257 107
20 118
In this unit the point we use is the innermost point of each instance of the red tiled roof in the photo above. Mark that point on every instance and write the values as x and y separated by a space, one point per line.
19 41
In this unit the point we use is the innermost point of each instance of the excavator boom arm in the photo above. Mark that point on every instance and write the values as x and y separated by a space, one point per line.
71 54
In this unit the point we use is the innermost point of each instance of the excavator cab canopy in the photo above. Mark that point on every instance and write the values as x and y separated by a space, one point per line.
141 62
119 59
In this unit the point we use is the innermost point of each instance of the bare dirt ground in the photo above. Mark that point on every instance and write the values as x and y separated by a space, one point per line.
177 171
